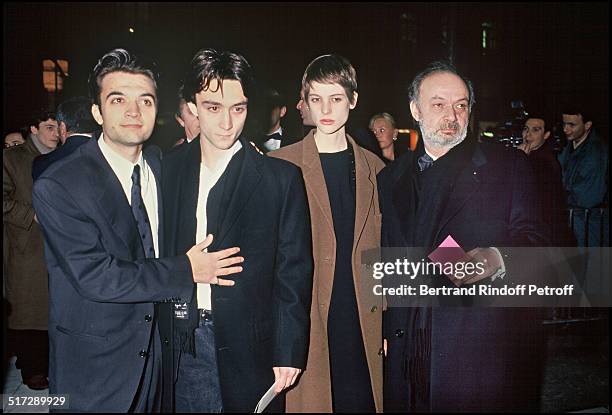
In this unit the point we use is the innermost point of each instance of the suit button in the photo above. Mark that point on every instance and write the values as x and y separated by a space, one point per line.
166 341
381 351
373 309
143 354
148 318
399 333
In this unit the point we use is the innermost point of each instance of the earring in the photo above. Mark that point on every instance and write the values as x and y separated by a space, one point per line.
394 138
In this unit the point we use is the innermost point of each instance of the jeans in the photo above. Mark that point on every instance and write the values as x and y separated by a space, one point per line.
197 387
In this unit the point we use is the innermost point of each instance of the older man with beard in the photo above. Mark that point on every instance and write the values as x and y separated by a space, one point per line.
482 195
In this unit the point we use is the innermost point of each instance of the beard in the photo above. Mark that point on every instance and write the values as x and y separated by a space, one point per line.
434 138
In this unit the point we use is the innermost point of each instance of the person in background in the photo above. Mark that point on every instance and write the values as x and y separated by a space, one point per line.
26 270
384 129
274 109
585 169
75 124
14 138
539 147
188 122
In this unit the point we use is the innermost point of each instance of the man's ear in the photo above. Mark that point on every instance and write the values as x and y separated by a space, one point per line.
34 130
283 111
95 112
179 120
192 107
62 130
355 96
414 110
546 135
588 125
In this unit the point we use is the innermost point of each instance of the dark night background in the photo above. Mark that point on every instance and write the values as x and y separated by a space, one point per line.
544 54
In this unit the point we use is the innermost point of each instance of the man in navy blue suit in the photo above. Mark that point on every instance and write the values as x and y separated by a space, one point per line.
101 214
75 124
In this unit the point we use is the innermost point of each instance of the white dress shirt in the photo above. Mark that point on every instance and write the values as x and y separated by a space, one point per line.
208 178
272 143
123 169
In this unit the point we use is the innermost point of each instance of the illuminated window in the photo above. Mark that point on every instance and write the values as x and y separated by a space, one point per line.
488 37
54 72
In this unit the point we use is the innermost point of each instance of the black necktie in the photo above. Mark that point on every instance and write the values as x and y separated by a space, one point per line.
424 162
140 214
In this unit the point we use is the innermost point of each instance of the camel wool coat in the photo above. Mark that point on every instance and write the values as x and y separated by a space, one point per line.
312 392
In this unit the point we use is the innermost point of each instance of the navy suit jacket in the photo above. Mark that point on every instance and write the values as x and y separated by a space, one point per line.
263 320
481 358
101 286
43 161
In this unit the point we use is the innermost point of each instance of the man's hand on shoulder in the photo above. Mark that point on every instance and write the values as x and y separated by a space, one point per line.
207 267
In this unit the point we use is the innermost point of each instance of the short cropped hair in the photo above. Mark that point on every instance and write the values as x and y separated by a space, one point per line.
40 116
208 65
538 116
118 60
384 115
439 67
331 69
578 110
75 113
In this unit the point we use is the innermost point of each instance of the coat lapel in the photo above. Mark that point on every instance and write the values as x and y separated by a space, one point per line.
465 186
315 181
113 203
248 179
188 192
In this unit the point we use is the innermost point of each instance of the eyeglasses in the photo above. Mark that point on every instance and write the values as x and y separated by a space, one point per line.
12 144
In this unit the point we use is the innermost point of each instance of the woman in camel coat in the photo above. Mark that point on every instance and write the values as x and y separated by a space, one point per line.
345 360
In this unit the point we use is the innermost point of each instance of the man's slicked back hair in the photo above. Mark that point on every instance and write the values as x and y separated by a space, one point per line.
118 60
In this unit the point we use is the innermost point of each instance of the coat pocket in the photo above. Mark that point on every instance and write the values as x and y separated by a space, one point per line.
83 336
